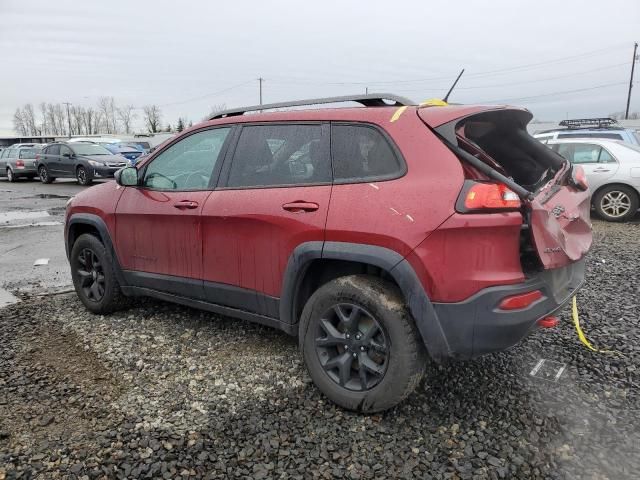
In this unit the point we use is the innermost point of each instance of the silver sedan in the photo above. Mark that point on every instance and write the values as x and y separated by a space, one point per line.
613 173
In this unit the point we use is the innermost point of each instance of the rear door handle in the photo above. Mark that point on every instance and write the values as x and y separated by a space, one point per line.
186 205
299 207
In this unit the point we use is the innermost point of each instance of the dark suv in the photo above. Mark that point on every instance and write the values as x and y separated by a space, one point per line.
83 161
378 235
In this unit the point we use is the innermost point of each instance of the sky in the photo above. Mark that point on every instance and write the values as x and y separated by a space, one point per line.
565 59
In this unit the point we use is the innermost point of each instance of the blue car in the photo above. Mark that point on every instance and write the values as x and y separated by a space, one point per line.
128 152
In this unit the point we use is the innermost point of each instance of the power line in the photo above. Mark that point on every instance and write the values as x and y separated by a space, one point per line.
506 100
476 87
486 73
193 99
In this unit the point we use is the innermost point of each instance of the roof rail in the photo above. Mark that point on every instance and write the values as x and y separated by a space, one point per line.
589 122
369 100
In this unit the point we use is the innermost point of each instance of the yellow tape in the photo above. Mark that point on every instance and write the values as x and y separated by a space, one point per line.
434 102
397 113
581 335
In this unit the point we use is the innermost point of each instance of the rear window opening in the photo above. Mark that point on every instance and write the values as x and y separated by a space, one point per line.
500 139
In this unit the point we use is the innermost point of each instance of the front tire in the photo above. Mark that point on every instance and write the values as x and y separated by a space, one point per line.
616 203
94 277
83 177
10 175
43 172
360 344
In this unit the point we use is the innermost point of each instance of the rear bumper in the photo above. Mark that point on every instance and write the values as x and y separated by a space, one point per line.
477 326
24 171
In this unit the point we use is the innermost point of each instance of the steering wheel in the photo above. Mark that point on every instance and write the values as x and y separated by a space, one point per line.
174 185
204 181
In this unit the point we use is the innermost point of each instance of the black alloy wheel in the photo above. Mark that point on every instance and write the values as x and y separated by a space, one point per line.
91 275
352 347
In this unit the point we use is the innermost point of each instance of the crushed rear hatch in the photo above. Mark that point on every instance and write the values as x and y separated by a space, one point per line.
494 143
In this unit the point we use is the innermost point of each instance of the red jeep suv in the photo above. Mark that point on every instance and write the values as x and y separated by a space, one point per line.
378 234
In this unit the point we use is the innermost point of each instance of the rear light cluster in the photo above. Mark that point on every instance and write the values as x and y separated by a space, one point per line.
486 197
19 163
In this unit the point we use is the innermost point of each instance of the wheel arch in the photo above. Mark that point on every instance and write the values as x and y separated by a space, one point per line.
81 223
312 264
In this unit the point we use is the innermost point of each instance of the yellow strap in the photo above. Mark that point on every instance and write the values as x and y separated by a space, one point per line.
434 102
397 113
581 335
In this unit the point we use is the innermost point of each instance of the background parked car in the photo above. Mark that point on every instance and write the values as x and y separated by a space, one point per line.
19 160
130 153
605 128
613 173
80 160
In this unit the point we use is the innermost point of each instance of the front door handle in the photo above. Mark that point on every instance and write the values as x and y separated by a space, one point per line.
300 206
601 170
186 205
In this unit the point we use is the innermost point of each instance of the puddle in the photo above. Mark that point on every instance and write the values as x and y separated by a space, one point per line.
6 217
50 195
36 224
6 298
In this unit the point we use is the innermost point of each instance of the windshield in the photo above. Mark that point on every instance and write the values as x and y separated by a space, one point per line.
90 149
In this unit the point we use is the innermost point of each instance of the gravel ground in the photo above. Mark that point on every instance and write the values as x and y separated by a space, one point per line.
161 391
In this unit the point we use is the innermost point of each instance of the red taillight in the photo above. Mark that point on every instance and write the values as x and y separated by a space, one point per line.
517 302
20 163
488 196
37 156
579 177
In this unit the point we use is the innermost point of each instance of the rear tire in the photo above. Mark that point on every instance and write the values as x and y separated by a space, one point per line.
83 177
616 203
10 175
94 277
393 359
43 172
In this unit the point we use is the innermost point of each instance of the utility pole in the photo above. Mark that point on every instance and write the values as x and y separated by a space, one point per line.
633 64
366 90
260 80
68 117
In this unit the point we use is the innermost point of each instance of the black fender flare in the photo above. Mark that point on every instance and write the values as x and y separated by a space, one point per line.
99 224
400 269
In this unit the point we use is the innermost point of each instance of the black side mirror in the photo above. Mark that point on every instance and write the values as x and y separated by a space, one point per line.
68 155
127 177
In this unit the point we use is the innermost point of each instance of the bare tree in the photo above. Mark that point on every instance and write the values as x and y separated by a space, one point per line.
126 115
77 116
107 109
29 118
44 126
18 122
152 117
215 109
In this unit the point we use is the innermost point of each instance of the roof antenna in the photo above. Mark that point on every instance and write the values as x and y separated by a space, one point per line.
446 97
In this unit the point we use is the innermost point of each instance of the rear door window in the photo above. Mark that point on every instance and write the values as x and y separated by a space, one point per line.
580 153
279 155
53 150
613 136
362 153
